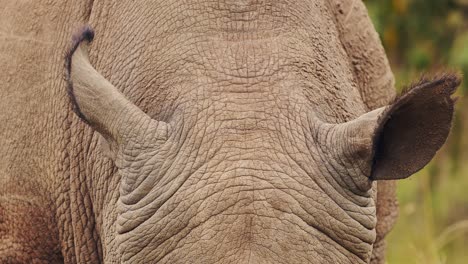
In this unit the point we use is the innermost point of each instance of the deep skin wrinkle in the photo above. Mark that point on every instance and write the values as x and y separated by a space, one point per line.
242 131
239 177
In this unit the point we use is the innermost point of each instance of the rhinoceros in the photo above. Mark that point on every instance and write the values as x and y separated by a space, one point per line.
204 132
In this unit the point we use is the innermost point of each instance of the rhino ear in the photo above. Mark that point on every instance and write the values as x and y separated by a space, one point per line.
395 141
97 102
411 130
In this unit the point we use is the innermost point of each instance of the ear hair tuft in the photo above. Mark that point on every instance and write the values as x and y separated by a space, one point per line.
452 79
448 81
428 94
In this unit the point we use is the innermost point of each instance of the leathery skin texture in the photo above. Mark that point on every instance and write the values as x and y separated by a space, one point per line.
244 173
238 98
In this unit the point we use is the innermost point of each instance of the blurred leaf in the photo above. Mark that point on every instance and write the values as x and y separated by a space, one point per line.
455 19
420 58
391 38
459 55
462 2
401 6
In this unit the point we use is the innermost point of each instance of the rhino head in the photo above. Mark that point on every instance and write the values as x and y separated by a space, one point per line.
193 190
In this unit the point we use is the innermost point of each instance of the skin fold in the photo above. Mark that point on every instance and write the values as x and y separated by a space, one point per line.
204 132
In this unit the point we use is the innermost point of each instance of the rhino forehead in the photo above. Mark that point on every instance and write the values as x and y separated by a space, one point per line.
269 48
240 162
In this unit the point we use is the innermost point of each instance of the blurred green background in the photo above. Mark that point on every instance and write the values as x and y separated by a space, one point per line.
426 36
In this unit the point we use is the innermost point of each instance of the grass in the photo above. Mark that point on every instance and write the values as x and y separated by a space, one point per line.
433 223
420 35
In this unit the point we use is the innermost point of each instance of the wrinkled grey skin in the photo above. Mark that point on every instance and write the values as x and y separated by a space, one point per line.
242 133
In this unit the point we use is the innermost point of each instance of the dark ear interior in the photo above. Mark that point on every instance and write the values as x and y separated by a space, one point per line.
413 128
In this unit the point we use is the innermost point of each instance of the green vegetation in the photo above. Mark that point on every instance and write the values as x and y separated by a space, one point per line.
427 36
